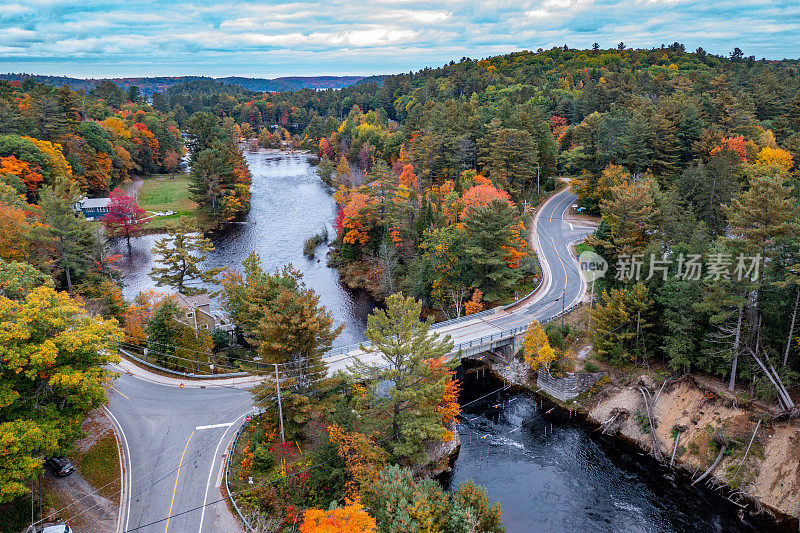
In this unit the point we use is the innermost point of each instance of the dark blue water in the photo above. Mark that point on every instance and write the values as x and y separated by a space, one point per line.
556 475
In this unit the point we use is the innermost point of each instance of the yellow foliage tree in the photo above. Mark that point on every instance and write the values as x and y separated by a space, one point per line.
774 156
58 166
537 350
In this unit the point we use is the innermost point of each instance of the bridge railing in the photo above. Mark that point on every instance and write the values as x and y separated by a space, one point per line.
461 346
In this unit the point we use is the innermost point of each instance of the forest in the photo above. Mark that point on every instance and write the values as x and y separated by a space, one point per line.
687 160
680 153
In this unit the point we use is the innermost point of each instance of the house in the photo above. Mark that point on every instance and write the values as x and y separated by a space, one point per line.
92 208
198 314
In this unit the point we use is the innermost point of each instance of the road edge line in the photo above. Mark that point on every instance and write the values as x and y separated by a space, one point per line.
544 286
123 471
211 468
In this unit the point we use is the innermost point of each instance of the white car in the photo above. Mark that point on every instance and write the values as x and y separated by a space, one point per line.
60 528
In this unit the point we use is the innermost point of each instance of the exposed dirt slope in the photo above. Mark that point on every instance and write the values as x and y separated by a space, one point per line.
707 419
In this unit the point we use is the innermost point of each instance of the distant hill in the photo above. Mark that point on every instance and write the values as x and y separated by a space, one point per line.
149 85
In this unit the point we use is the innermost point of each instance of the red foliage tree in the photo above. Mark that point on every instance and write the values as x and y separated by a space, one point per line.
125 218
735 144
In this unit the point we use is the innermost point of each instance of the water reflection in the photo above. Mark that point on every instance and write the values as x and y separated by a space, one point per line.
289 204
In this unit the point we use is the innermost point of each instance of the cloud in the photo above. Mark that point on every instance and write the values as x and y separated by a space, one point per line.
249 37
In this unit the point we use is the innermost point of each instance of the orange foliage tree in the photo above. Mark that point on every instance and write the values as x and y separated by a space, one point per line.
358 218
21 169
736 144
363 458
14 226
138 313
482 194
352 518
448 406
475 304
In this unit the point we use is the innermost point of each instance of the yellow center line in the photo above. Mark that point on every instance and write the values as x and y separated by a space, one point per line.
113 387
175 488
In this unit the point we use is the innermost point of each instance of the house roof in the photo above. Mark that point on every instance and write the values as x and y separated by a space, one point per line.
197 300
93 203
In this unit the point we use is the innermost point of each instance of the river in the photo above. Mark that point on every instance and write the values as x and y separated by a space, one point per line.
289 204
548 474
556 474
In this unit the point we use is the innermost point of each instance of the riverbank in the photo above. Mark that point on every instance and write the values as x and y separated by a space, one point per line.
758 470
760 462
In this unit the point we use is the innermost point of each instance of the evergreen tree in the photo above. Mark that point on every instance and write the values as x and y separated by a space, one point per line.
406 387
182 253
491 232
69 236
619 324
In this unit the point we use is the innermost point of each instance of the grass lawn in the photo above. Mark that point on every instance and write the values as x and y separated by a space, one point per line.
99 465
583 247
161 192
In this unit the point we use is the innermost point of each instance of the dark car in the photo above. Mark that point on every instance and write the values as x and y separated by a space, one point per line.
60 465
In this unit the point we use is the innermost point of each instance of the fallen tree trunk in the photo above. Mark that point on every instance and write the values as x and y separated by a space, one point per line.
656 447
744 457
785 400
675 449
713 466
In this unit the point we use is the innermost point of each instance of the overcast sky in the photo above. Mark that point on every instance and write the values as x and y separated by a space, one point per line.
95 38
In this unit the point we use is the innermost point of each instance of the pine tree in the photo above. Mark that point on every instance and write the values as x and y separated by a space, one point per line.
416 387
619 324
70 237
182 253
491 232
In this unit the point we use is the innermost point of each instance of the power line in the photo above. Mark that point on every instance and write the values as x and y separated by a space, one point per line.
153 458
293 474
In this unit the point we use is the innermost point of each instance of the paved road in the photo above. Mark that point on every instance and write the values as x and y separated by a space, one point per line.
174 440
175 437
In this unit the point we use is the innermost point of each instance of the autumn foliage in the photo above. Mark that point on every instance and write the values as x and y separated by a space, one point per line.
363 458
735 144
351 518
482 194
125 218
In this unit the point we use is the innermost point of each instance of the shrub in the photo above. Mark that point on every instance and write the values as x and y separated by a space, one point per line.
263 459
315 240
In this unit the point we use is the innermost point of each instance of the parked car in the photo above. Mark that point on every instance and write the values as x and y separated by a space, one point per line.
56 528
60 466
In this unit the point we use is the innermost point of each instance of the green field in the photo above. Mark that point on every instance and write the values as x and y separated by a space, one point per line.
166 193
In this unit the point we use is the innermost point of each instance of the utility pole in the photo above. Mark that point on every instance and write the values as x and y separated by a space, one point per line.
280 407
563 306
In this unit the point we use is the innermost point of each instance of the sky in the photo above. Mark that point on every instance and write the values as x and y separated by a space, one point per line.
96 38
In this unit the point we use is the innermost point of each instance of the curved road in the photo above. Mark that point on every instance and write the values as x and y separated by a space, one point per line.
174 437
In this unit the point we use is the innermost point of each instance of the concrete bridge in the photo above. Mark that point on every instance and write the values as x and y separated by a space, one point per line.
561 289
